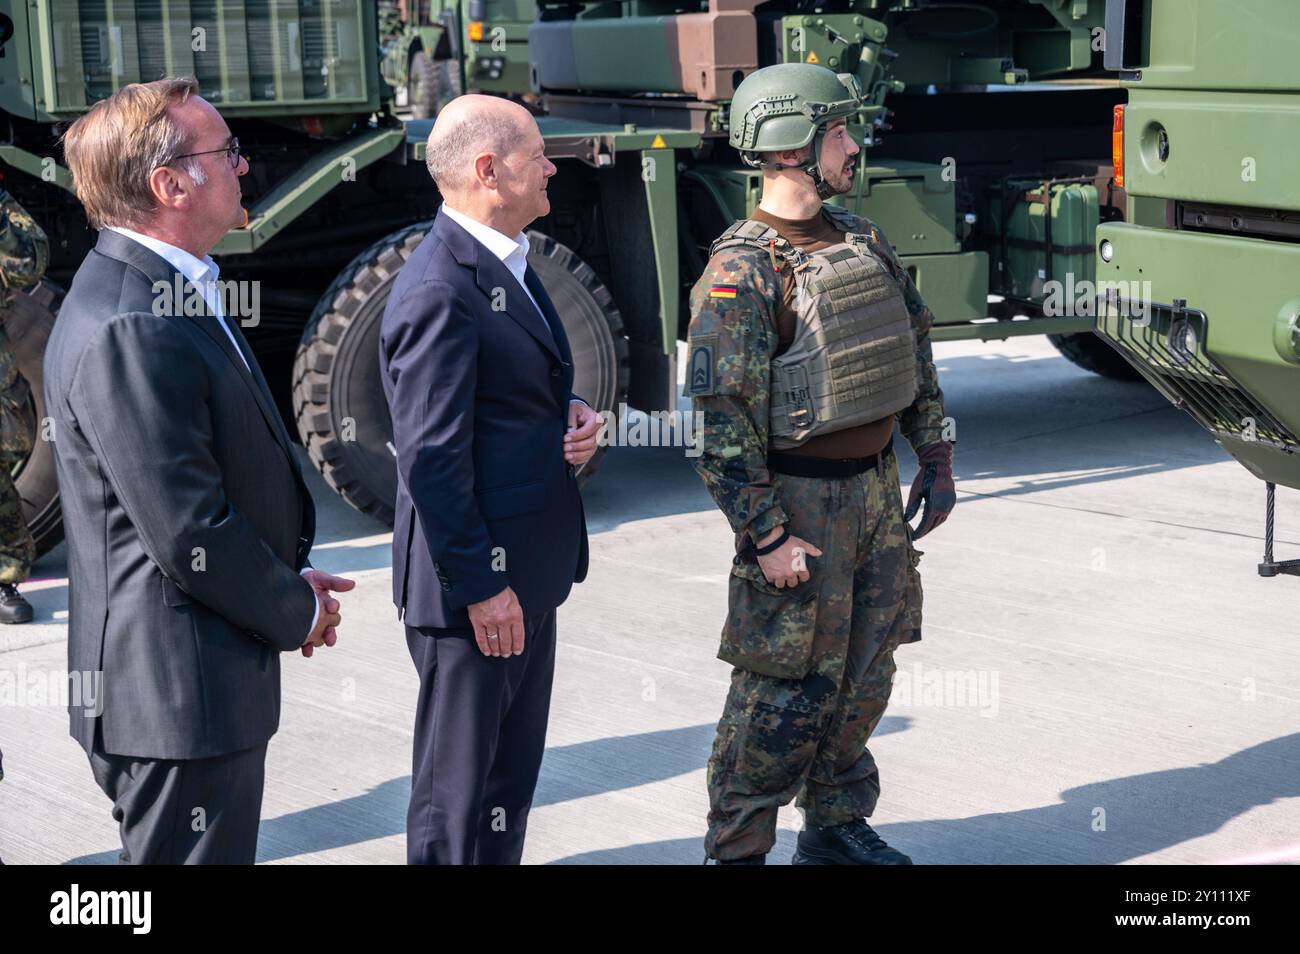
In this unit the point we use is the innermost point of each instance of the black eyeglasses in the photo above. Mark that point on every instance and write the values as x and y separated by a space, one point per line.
231 150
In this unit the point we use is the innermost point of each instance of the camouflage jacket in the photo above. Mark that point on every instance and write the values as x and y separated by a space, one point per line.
24 250
731 342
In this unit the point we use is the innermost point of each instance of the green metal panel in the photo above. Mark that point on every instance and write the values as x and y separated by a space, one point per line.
1001 330
911 202
17 95
1213 44
956 287
307 186
1233 148
736 190
250 56
659 173
1248 288
41 167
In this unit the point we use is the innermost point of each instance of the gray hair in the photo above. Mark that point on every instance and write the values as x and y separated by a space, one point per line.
461 139
113 148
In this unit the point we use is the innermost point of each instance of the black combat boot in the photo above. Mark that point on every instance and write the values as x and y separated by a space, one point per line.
854 843
13 608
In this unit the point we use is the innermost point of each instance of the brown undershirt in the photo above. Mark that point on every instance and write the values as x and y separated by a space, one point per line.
813 235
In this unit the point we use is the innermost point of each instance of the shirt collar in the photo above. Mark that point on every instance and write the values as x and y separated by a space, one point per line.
499 244
197 270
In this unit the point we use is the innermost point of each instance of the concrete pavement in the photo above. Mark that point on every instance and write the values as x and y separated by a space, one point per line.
1103 677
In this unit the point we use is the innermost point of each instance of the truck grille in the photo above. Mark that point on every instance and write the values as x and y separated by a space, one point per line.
1168 350
254 52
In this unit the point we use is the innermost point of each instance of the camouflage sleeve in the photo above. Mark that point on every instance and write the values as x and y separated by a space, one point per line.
24 250
921 422
731 341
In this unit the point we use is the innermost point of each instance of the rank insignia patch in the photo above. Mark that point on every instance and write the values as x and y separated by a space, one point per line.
699 371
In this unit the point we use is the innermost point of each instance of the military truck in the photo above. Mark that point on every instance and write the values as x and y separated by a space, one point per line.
986 165
432 48
421 42
1198 283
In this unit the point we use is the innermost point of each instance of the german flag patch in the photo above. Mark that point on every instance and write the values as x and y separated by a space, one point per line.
722 291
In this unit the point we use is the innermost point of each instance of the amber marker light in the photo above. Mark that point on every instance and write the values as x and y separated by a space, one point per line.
1117 145
476 30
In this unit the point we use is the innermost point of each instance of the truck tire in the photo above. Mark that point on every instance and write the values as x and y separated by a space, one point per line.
1092 354
431 85
422 86
448 81
594 329
28 325
339 403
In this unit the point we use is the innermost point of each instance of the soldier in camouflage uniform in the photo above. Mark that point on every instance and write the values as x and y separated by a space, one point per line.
807 341
23 255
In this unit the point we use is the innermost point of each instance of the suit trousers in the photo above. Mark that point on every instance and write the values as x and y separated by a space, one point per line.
184 811
480 730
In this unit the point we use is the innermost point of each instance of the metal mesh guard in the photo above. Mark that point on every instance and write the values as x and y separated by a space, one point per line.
1188 377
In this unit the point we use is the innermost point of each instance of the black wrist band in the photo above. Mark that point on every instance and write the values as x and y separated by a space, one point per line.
774 545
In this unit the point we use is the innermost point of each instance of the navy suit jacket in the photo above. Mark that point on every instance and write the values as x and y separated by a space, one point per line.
479 399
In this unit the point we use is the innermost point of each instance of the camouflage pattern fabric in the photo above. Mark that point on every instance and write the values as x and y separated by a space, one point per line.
814 664
23 255
390 18
731 342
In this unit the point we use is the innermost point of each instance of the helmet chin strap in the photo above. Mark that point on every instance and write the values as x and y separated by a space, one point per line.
812 167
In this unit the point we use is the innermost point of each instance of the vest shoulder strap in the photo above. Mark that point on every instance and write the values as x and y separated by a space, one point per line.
842 218
750 233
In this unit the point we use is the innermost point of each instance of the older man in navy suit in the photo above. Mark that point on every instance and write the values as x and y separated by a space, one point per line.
489 535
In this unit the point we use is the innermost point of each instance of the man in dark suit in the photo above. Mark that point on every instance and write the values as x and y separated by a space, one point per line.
490 535
187 519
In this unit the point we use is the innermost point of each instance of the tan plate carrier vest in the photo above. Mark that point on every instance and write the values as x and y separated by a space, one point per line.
853 357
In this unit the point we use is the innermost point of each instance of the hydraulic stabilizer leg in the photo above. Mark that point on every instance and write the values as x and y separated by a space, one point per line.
1271 567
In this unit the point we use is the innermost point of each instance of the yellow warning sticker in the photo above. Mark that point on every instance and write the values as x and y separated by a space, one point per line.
659 143
812 57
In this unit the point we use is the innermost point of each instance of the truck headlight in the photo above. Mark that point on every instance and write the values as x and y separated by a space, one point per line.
1184 342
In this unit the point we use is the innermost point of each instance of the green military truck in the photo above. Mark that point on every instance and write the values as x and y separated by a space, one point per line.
989 127
1199 283
433 47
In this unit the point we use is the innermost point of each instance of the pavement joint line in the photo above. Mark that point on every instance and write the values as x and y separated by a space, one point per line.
1118 623
1073 427
1112 656
1208 638
693 677
1020 498
35 644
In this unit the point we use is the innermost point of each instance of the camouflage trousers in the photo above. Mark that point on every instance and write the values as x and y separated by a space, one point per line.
814 665
17 551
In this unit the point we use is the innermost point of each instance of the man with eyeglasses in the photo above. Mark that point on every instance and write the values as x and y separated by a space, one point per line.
188 522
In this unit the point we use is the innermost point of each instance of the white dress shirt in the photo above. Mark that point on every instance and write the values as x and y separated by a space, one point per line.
203 273
513 252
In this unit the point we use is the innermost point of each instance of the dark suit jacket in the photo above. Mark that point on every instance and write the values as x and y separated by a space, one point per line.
479 400
186 516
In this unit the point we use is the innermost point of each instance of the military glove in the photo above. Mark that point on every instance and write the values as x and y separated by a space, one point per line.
933 485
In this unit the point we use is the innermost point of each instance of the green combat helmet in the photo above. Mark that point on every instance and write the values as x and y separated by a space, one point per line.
788 106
